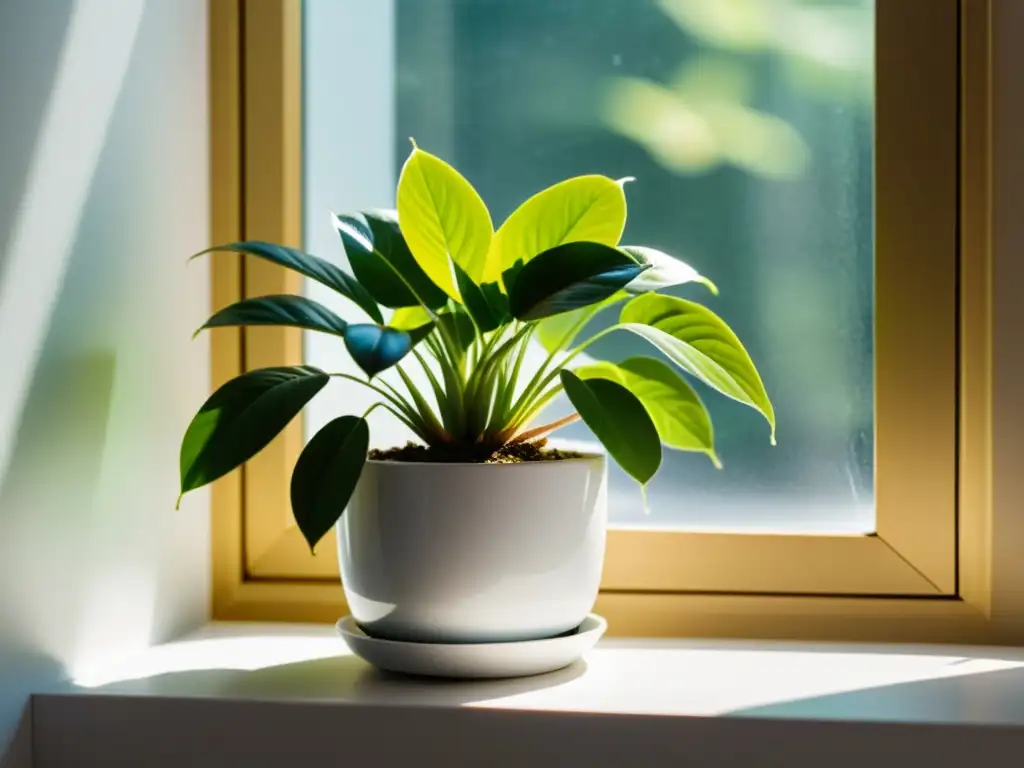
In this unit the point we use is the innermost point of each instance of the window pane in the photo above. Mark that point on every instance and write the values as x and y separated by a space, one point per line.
749 127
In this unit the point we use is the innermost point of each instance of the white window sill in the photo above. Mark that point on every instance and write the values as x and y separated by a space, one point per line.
288 695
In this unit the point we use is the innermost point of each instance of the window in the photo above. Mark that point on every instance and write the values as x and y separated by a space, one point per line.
804 155
752 142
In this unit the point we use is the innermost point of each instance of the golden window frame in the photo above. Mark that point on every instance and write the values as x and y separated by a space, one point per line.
924 574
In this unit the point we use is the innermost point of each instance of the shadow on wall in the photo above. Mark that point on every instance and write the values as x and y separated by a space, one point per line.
103 184
31 32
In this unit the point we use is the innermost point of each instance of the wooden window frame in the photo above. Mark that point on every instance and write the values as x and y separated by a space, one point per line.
924 575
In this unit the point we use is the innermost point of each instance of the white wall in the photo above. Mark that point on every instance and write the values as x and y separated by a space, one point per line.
103 195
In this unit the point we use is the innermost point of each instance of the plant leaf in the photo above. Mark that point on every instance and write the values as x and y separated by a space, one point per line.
377 347
407 318
510 275
585 208
700 342
241 418
486 304
420 332
308 265
389 242
459 326
665 271
326 474
443 219
568 277
559 331
382 262
296 311
620 422
678 414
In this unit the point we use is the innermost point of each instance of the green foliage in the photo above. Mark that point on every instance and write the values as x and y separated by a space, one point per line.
619 420
467 304
699 342
326 474
569 277
443 219
383 263
675 408
288 310
309 266
585 209
240 418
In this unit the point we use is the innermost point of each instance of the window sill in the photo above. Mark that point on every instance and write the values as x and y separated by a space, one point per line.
281 694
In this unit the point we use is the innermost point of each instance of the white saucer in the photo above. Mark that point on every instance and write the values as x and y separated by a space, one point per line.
474 660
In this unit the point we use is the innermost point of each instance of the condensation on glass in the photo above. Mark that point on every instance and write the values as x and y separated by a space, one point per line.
749 128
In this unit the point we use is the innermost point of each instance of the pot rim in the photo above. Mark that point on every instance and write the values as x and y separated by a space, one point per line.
587 456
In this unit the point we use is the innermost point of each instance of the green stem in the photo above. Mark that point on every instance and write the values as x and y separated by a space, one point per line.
396 399
490 359
444 403
535 386
502 409
425 412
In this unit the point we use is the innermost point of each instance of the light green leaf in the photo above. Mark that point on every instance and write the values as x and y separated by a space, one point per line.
443 220
407 318
557 332
699 342
585 208
326 474
679 415
665 271
620 422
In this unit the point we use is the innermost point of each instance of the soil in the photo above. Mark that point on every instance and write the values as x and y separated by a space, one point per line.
515 453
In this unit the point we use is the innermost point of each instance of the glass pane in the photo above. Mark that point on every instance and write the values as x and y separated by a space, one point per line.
749 127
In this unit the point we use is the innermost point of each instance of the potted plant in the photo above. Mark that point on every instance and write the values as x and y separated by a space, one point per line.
480 532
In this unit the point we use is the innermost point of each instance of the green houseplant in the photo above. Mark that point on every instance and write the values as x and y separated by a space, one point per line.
467 301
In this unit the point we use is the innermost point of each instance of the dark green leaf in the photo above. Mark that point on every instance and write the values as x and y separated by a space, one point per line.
326 474
510 275
420 332
311 266
297 311
381 260
389 242
369 267
487 305
568 277
620 422
240 419
376 347
678 414
459 326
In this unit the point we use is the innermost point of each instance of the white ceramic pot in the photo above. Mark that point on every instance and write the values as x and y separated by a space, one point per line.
474 553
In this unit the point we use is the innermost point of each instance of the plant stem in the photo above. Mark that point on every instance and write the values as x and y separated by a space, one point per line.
529 434
550 377
401 411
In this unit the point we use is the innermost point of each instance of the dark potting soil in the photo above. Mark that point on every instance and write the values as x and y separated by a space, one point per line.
515 453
